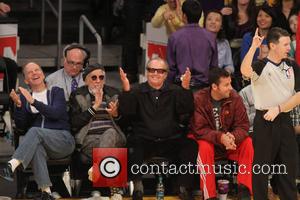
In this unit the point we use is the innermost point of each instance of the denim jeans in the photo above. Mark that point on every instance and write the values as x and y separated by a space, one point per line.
40 144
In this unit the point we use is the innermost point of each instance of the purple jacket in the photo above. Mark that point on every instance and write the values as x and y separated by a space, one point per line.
193 47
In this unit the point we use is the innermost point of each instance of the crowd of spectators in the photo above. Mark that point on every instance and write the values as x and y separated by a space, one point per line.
187 99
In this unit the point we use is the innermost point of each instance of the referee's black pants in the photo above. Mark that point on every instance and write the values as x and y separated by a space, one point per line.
274 143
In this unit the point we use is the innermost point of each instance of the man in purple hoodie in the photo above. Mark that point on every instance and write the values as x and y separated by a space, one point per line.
193 47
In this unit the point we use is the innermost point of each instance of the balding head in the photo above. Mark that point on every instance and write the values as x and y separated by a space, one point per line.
33 74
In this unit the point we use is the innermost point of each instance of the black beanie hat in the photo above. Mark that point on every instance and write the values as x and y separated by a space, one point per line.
91 68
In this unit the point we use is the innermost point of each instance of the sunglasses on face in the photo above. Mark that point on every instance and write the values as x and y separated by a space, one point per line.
159 71
94 77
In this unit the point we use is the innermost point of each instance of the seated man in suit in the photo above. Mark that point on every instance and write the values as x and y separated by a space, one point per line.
76 57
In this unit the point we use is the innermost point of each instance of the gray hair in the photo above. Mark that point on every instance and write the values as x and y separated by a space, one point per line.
157 58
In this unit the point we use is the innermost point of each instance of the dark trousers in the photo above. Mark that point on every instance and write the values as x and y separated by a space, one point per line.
274 143
179 151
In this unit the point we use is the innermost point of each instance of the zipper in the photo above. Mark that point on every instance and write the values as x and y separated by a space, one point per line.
43 121
222 113
49 103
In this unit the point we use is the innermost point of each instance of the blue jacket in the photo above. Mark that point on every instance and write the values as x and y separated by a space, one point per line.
51 116
246 44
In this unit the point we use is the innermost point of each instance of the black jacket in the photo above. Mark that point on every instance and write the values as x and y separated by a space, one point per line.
79 118
156 119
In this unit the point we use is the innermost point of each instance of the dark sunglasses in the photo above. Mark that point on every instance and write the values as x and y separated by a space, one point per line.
94 77
159 71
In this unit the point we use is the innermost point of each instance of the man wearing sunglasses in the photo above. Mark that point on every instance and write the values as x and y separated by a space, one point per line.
93 112
155 109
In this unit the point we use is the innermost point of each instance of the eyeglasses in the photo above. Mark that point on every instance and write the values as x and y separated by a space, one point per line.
94 77
74 64
159 71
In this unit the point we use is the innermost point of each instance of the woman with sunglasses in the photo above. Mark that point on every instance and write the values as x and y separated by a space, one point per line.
94 117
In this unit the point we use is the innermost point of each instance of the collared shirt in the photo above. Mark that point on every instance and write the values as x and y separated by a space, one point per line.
225 55
155 92
158 120
193 47
61 79
273 83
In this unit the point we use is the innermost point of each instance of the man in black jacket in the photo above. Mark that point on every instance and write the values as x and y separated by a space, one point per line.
93 112
155 109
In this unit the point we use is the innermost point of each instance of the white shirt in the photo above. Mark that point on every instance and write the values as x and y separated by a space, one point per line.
39 96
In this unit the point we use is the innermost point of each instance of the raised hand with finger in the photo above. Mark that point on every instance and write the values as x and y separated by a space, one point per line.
257 40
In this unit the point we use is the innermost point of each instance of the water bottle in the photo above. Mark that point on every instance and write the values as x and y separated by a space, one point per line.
160 189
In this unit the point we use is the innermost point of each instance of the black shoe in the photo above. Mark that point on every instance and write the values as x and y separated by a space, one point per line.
243 193
213 198
6 172
44 196
185 194
137 195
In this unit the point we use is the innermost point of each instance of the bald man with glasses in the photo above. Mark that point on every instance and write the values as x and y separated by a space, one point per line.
69 78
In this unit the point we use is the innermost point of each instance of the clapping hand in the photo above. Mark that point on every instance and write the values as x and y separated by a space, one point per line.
27 95
4 9
15 97
125 81
186 78
168 15
226 11
98 93
179 9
